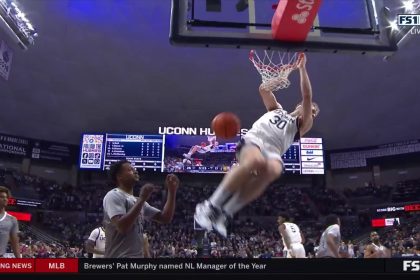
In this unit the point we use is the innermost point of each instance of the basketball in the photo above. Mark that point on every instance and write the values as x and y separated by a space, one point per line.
226 125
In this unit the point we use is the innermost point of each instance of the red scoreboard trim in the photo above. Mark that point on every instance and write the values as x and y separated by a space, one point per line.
412 207
21 216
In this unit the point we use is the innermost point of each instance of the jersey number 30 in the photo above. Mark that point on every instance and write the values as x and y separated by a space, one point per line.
278 122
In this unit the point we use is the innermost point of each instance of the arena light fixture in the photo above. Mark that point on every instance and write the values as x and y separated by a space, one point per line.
411 6
408 5
16 24
394 26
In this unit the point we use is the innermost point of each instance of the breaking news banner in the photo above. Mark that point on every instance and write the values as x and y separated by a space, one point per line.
210 266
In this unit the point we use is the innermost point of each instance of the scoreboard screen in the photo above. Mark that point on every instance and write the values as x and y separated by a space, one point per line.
187 153
143 151
199 154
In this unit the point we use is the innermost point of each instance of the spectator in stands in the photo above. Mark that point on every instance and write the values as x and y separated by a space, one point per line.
178 238
350 247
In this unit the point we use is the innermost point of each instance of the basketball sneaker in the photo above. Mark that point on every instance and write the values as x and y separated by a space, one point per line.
220 224
187 156
206 214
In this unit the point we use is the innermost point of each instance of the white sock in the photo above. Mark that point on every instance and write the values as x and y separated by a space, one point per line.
234 204
219 197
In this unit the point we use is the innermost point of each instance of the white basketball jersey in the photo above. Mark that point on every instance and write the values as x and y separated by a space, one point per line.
98 236
278 128
323 249
293 233
380 248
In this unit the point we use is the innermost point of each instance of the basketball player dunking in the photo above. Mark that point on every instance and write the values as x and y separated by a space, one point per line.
376 249
292 237
203 148
259 155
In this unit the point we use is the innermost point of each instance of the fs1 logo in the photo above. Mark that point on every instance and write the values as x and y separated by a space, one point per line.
411 265
404 20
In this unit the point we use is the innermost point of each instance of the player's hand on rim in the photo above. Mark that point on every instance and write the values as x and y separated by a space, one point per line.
301 62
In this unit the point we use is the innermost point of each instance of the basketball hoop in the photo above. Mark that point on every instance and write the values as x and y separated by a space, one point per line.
275 68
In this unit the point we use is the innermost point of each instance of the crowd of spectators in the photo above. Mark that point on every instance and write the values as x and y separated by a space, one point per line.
71 213
369 190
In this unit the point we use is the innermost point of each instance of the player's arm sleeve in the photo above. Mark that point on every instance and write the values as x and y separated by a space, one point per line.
114 205
149 212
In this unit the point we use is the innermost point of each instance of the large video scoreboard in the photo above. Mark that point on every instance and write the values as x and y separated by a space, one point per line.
187 153
143 151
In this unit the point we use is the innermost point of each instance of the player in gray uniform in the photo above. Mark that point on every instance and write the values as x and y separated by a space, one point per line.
8 226
124 214
259 155
329 244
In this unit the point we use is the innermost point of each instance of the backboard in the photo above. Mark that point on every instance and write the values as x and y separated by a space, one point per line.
361 26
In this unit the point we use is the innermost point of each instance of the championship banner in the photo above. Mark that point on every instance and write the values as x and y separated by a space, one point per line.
6 55
38 149
12 145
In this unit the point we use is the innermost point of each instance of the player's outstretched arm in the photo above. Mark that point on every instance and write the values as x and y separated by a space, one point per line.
306 89
268 98
172 184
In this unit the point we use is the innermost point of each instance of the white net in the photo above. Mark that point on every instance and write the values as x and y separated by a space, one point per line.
274 68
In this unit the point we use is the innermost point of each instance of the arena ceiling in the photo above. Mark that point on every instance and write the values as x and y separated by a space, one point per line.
107 66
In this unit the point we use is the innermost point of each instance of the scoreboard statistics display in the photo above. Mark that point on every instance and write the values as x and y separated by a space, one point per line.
305 156
145 152
170 153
